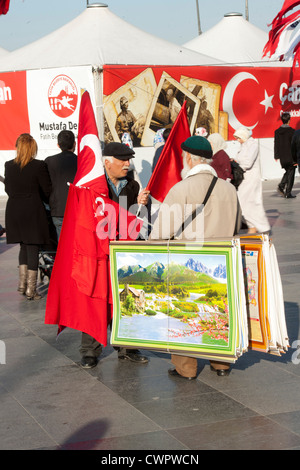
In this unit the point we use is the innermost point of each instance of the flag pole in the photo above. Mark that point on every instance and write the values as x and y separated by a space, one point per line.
247 10
198 16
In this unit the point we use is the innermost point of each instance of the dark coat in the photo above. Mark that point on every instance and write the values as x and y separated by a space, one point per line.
296 146
221 164
62 169
283 145
131 191
25 217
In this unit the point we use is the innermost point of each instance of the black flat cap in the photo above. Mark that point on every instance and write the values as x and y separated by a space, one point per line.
119 151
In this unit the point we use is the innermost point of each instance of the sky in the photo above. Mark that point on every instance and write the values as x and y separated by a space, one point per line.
172 20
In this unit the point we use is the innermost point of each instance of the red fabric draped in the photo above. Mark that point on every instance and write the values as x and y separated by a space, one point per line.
281 25
4 6
167 171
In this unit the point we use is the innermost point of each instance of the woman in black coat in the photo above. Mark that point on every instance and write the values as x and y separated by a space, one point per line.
27 183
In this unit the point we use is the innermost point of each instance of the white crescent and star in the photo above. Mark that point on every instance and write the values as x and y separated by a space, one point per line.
267 103
102 210
92 141
229 95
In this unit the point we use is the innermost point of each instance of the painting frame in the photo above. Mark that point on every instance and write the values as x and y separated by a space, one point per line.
255 246
158 113
138 92
209 94
217 349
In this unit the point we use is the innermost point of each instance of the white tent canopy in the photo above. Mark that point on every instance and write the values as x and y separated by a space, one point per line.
233 40
97 37
3 52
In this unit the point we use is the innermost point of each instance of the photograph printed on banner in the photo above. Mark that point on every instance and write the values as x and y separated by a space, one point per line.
209 95
168 100
223 124
126 109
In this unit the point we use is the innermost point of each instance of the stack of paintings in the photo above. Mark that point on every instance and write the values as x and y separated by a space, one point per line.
193 298
264 296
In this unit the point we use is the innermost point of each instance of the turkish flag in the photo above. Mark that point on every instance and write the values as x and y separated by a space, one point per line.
167 171
89 167
4 6
281 43
79 294
287 6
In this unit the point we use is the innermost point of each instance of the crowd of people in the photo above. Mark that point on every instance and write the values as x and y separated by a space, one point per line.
37 194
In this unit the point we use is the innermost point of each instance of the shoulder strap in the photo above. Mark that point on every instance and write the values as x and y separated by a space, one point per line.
199 209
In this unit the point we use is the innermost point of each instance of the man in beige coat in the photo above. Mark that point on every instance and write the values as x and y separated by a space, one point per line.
220 218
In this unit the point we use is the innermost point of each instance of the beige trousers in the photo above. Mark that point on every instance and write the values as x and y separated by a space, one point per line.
187 366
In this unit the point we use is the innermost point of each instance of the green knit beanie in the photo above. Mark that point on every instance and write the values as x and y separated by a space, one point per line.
198 145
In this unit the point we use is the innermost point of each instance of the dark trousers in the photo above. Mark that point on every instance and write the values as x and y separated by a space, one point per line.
288 179
29 254
91 348
57 222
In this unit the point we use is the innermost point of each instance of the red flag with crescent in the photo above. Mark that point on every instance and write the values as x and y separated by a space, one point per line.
167 171
284 36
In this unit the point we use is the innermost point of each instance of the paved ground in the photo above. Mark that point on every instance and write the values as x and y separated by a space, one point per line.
49 402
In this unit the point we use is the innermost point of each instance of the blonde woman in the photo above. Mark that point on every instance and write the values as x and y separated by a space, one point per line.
250 190
27 183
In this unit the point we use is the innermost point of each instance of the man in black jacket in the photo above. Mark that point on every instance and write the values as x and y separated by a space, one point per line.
283 152
126 192
62 169
296 147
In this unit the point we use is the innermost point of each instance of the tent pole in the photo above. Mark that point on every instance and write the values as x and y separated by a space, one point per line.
198 16
247 11
98 89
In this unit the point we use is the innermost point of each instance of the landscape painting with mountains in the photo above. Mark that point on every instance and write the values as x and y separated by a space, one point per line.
177 297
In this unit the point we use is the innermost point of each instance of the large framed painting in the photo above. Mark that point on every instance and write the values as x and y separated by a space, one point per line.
177 298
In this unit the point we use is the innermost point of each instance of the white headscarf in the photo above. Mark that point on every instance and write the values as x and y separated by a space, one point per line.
201 131
217 142
243 133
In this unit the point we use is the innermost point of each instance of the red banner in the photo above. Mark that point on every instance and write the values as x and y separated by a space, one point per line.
142 100
14 119
222 98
